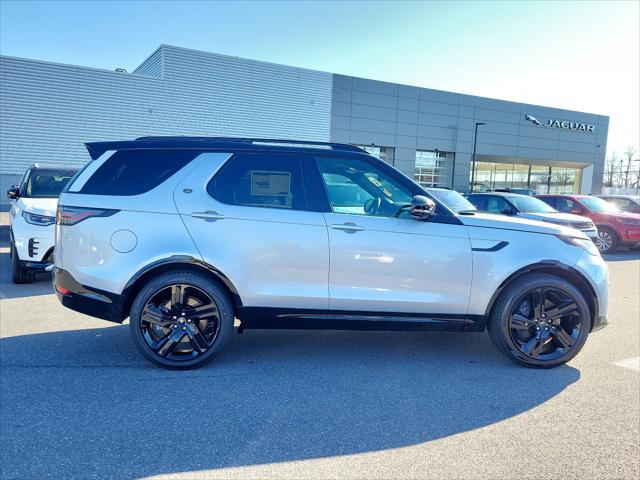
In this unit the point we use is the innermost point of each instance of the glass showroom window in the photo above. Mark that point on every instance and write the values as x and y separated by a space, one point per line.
385 154
430 168
564 180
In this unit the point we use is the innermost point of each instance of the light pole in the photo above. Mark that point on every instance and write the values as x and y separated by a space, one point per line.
473 159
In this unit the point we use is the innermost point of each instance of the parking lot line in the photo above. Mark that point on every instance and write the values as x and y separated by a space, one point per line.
631 363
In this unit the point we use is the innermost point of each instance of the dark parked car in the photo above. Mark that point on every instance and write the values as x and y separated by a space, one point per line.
615 228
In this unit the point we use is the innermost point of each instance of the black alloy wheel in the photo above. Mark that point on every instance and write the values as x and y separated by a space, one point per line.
540 320
545 323
181 320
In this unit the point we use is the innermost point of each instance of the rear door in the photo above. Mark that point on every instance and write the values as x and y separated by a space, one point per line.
383 263
252 218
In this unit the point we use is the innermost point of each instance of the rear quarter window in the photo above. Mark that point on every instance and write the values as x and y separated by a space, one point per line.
133 172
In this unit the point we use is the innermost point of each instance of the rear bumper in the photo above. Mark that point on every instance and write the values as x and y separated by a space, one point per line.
90 301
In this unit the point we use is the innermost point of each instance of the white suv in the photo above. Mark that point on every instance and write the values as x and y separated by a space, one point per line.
32 219
183 235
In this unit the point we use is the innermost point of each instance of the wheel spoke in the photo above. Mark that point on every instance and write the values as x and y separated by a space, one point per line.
152 314
538 300
202 312
562 309
197 338
534 346
520 322
168 343
563 337
177 296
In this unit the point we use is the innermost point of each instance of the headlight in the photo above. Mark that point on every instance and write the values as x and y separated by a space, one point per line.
588 245
629 221
42 220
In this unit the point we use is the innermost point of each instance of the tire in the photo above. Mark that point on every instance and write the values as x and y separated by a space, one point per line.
607 241
181 320
518 329
19 274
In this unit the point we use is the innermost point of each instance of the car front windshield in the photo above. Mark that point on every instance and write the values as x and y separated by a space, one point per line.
597 205
528 204
452 199
46 183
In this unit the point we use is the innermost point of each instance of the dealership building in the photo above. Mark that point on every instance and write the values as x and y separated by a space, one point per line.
48 110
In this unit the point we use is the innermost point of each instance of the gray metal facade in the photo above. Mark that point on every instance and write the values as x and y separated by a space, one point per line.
368 112
48 110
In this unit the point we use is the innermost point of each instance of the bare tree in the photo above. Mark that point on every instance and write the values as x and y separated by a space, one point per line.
629 154
610 169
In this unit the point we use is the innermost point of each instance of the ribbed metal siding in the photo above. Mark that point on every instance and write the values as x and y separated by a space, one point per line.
49 110
152 66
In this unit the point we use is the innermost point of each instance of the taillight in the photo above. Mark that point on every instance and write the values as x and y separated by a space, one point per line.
66 215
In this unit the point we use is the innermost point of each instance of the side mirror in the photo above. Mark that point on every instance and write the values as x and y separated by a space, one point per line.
422 208
507 211
576 211
13 192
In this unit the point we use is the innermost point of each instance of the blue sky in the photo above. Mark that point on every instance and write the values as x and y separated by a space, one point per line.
577 55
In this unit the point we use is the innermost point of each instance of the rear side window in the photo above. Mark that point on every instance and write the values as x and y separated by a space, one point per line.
480 202
133 172
552 201
261 180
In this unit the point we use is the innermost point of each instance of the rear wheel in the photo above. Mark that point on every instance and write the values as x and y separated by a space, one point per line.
19 274
540 320
181 320
607 241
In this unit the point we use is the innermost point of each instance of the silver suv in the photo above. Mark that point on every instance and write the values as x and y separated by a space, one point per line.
185 235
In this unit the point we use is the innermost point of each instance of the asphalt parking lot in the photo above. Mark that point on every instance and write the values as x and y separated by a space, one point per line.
78 401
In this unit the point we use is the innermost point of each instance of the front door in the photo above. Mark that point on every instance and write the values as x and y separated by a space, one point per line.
380 262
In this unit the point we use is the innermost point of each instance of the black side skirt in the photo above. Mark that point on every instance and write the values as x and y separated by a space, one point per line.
277 318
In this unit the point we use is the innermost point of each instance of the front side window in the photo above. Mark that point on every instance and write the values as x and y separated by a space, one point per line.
488 203
45 183
360 188
261 180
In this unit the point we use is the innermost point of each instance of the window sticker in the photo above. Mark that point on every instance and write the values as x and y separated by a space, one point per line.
275 184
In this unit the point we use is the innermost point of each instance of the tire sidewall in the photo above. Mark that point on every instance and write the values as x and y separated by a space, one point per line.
500 319
194 279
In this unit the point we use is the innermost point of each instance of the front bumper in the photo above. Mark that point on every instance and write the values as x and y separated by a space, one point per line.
595 270
90 301
630 235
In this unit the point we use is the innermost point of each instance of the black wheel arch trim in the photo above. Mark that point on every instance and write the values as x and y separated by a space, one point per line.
176 261
564 271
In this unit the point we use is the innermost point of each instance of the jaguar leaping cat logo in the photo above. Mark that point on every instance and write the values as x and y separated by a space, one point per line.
532 119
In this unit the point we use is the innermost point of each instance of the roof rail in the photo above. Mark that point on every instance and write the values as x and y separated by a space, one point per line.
334 146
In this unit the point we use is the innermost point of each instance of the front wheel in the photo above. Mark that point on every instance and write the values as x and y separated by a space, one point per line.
181 320
540 320
607 241
19 274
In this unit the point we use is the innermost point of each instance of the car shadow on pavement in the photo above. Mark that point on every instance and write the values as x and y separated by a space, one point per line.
83 403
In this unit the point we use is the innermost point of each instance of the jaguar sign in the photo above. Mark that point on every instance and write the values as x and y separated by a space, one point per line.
564 124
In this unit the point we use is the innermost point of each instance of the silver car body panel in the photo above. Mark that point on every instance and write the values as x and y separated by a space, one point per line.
312 260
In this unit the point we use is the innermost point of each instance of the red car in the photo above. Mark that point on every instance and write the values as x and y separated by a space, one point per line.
615 228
